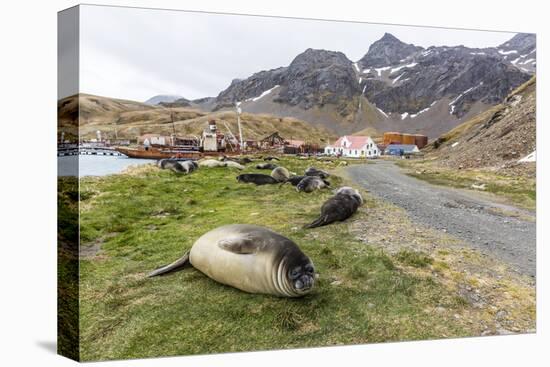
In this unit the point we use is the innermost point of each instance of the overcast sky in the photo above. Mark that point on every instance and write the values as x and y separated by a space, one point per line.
138 53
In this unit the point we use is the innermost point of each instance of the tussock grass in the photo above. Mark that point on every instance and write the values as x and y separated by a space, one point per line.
150 217
414 258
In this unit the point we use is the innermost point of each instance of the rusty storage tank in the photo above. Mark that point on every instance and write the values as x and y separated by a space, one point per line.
409 139
421 140
393 138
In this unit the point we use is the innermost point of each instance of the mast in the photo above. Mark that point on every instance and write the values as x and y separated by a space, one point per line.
238 109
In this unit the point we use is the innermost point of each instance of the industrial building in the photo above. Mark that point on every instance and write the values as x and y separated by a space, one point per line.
408 139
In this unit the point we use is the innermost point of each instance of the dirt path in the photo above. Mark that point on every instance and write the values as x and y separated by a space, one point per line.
495 229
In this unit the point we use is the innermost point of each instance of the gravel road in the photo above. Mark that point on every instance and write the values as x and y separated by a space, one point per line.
499 230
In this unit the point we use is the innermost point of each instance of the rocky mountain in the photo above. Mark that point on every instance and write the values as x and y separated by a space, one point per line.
162 98
499 138
180 102
388 50
394 86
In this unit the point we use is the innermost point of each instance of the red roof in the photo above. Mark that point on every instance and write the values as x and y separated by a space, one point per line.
357 142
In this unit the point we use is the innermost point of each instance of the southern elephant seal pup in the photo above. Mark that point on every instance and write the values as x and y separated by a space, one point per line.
257 178
311 183
270 158
281 174
312 171
295 180
250 258
189 166
211 163
339 207
233 164
174 165
270 166
166 163
242 160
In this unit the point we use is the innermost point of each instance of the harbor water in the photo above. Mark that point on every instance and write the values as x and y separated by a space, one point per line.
97 165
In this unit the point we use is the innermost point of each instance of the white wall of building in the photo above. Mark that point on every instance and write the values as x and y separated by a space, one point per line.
368 150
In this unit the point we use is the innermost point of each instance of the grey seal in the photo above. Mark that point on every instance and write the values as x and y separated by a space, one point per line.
339 207
311 183
256 178
312 171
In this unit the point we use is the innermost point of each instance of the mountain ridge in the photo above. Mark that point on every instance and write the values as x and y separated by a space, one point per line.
393 86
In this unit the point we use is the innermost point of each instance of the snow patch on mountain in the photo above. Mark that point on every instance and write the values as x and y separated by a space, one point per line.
382 112
265 93
502 52
411 65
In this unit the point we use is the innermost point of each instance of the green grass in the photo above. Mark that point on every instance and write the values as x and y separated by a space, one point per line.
414 258
150 218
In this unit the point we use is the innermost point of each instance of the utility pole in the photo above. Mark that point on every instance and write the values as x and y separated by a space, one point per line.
116 133
173 127
238 108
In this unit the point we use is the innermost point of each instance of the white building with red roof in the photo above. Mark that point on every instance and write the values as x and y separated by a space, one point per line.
354 147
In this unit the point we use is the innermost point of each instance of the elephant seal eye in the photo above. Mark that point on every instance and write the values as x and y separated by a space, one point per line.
309 268
294 273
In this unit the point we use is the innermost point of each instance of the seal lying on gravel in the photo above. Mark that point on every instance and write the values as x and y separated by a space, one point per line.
270 166
257 178
312 171
281 174
311 183
251 258
339 207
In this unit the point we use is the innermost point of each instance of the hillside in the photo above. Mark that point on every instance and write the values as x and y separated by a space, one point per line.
496 139
132 119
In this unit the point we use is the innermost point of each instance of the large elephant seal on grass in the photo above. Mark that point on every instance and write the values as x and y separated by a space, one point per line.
339 207
251 258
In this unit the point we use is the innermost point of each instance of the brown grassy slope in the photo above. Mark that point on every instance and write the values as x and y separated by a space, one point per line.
132 119
496 138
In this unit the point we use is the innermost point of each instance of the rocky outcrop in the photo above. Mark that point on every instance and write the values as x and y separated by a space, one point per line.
319 77
388 50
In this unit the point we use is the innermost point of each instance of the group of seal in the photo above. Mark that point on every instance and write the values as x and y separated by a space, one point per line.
255 259
250 258
178 166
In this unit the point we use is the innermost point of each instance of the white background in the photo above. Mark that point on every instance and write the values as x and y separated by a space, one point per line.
28 181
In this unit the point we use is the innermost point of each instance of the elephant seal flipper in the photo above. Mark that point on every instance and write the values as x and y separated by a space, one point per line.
177 265
240 245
